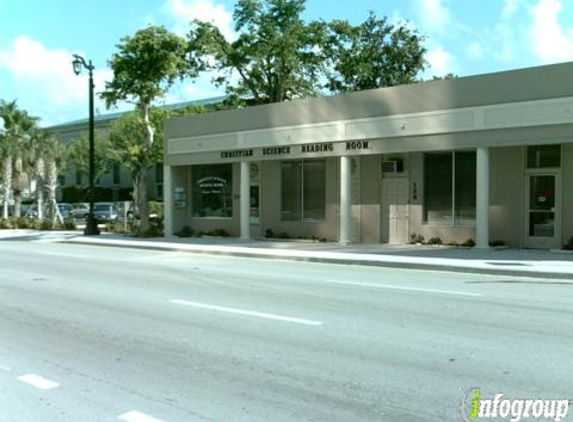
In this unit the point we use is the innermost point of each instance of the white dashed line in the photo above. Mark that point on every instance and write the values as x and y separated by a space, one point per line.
246 313
4 368
408 289
68 255
38 382
135 416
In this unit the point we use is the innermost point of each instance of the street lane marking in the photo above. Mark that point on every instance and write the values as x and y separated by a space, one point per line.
5 368
135 416
69 255
408 289
247 313
38 382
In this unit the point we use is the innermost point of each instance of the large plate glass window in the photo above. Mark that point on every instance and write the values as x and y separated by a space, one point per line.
303 190
450 188
212 191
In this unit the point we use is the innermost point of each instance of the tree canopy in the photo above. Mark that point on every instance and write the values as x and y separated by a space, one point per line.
273 55
277 56
370 55
145 66
144 69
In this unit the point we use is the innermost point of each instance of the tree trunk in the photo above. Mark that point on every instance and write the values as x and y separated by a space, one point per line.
142 202
17 202
18 182
6 185
40 187
52 184
142 185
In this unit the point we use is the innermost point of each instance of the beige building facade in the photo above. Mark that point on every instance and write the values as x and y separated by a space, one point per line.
487 158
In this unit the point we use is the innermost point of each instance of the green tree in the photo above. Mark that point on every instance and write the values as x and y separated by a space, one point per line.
274 55
40 143
18 129
78 154
372 54
144 68
55 156
128 146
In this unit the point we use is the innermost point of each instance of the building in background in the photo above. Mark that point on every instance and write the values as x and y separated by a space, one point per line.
117 184
486 158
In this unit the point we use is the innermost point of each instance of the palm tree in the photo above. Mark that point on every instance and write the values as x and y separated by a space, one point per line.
41 141
18 128
55 155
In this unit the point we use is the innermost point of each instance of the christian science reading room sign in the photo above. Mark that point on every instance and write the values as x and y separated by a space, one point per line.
318 149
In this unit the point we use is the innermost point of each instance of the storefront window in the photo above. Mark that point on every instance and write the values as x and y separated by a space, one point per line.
212 191
465 188
438 188
303 190
450 188
543 156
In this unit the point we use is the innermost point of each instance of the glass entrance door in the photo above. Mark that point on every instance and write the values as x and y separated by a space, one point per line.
542 230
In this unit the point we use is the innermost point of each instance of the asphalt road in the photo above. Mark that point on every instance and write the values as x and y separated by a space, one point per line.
111 334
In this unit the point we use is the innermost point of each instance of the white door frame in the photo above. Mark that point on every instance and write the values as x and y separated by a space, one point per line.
540 242
387 213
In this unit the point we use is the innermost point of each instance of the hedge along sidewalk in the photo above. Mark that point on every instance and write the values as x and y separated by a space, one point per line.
518 263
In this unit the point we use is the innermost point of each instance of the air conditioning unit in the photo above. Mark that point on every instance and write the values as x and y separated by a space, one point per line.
392 166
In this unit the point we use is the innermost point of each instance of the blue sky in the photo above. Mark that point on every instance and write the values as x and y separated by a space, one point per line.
465 37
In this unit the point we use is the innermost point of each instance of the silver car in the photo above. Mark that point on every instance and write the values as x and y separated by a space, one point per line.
105 211
80 210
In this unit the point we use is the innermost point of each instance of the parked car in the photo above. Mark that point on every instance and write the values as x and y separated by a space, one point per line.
32 211
125 211
65 210
80 209
105 211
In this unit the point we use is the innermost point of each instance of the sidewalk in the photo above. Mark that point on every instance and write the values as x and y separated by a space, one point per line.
510 262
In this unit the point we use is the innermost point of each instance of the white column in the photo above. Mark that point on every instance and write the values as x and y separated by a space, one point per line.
167 201
245 199
345 199
482 198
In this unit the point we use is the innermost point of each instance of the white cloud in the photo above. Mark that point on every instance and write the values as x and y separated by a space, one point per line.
433 14
44 78
510 8
184 11
441 62
475 50
551 41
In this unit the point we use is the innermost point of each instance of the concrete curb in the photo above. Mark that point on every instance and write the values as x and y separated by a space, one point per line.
325 258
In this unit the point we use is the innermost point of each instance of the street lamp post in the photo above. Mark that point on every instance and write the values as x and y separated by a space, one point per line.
91 222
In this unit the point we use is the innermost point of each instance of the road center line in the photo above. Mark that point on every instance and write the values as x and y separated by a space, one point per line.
69 255
135 416
408 289
244 312
5 368
38 382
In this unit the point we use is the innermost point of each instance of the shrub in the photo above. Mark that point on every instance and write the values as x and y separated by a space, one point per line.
25 223
283 235
45 225
186 231
156 209
569 245
6 223
436 240
269 233
469 243
219 232
69 224
153 231
416 238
